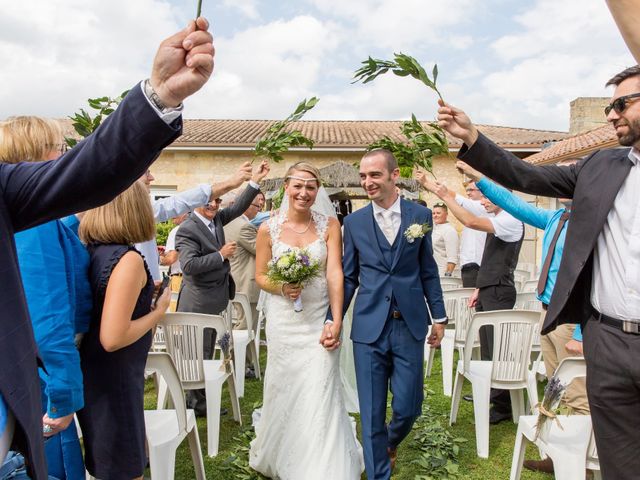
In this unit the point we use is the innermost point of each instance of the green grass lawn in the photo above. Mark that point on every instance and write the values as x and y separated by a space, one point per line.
497 466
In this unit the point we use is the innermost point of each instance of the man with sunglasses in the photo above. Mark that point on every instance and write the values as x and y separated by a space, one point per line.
598 282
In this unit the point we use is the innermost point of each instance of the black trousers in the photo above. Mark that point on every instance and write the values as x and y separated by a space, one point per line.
613 389
497 297
469 274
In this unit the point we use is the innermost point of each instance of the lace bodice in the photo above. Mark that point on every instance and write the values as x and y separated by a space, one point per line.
317 249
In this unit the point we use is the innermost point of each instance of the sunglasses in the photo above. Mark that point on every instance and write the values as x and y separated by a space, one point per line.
619 104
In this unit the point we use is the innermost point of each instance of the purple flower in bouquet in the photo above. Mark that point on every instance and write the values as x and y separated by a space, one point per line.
295 266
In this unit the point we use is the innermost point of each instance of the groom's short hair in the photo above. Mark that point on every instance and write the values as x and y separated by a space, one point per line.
389 158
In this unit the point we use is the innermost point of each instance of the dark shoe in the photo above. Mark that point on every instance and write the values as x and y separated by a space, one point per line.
393 456
544 466
250 373
467 398
496 417
202 412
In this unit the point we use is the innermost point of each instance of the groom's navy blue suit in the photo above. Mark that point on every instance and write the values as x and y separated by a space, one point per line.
389 351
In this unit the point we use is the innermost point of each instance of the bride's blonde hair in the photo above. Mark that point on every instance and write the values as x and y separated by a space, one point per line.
302 167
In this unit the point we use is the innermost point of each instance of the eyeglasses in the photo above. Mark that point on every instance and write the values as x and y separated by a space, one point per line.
439 205
217 201
619 104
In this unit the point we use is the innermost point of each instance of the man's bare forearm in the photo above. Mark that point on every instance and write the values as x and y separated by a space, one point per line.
626 13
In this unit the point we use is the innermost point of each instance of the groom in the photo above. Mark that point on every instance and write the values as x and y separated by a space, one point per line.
397 277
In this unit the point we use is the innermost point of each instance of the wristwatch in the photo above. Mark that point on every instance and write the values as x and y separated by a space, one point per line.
154 98
447 274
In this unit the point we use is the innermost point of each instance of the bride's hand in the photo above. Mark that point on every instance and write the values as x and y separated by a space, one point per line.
291 291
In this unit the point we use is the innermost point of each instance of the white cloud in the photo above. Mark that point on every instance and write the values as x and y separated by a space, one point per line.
249 8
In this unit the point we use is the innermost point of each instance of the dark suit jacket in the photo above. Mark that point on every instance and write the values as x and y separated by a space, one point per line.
206 283
91 174
412 277
593 184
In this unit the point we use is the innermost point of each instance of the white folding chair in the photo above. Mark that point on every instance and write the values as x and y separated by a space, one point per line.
166 429
449 283
455 338
529 286
183 334
159 344
513 332
570 446
529 301
243 339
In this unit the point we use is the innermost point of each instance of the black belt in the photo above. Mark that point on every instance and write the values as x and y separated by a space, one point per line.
396 314
470 266
627 326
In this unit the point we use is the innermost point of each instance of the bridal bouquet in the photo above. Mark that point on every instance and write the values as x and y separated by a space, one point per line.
294 266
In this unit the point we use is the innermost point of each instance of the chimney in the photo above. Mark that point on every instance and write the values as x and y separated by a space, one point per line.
587 113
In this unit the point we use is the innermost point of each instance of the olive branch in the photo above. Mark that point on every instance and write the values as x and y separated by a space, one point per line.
278 140
422 145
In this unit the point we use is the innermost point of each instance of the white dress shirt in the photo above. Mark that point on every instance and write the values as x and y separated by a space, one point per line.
507 227
471 241
616 264
396 220
445 245
171 245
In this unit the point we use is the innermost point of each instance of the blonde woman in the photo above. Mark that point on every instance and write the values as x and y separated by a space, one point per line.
114 351
304 430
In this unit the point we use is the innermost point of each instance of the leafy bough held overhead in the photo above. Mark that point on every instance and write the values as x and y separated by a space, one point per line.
277 139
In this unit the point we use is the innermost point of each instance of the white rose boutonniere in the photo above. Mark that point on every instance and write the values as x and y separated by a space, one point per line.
415 231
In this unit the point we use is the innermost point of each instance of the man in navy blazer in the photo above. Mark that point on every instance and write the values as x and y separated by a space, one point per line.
89 175
388 257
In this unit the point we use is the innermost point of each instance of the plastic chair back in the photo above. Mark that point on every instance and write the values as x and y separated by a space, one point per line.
513 332
161 364
242 301
461 314
528 301
529 286
184 341
449 283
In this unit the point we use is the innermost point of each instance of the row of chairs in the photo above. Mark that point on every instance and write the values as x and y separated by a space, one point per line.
522 284
515 365
178 365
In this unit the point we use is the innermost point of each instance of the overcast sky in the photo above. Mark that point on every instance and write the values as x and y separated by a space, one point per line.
506 62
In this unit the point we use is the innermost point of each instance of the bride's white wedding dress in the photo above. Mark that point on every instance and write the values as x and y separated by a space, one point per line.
304 431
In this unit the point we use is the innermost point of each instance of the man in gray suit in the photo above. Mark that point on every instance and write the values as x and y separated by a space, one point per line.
204 256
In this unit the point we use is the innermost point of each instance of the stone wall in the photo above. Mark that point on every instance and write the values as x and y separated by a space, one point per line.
587 113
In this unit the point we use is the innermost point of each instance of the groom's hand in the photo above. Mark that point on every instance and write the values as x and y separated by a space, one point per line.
437 332
330 338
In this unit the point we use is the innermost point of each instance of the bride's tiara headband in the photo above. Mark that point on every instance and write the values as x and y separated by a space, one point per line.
305 180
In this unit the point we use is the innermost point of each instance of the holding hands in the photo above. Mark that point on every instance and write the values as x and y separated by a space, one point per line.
183 63
330 338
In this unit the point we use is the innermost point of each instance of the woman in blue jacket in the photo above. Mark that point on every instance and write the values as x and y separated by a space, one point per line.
54 269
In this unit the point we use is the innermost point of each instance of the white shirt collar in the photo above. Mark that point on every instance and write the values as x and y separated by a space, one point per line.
204 219
395 208
634 156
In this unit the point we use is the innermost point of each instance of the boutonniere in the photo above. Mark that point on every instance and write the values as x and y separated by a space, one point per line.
415 231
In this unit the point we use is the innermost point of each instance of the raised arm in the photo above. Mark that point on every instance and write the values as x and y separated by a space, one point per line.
508 201
503 166
626 13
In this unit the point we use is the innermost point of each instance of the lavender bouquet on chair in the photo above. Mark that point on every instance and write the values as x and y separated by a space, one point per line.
294 266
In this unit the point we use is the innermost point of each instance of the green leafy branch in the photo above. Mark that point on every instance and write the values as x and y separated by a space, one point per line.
437 448
278 140
84 124
421 146
402 65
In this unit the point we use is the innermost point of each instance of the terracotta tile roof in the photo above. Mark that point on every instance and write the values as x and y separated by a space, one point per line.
340 134
334 133
577 146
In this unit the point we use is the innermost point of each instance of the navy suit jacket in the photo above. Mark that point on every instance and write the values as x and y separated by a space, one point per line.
90 174
412 277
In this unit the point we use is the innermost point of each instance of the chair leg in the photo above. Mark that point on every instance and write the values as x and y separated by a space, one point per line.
255 360
163 396
162 462
213 392
532 391
235 403
481 393
519 449
455 399
240 362
196 452
570 467
517 404
446 352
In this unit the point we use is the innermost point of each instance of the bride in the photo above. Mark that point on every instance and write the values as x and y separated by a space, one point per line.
304 431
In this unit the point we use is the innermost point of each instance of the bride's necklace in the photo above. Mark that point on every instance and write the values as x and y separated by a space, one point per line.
303 231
